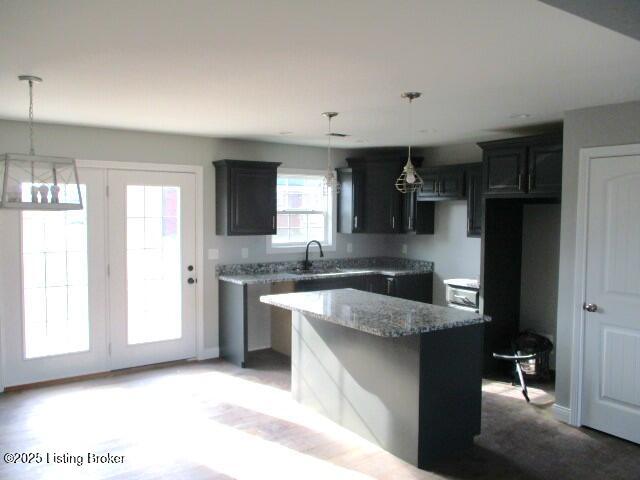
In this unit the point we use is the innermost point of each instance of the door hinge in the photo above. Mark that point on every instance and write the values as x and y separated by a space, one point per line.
108 270
109 348
107 190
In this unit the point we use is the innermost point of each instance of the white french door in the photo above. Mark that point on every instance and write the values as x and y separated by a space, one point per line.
152 267
611 370
55 287
103 288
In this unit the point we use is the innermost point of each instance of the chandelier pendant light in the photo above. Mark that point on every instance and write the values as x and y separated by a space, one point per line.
409 181
38 182
330 179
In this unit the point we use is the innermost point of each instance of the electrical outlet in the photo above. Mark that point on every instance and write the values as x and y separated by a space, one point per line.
213 254
405 249
245 252
349 247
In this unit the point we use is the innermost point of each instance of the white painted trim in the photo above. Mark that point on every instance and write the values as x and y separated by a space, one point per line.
208 353
579 293
2 313
561 413
198 170
152 167
333 219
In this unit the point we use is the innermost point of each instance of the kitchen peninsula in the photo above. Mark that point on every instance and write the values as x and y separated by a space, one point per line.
405 375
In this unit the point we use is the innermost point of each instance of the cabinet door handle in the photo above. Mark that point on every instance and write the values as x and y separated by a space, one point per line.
393 223
529 182
519 181
355 221
273 222
409 222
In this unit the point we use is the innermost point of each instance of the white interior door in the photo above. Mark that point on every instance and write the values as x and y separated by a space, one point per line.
152 244
611 378
54 287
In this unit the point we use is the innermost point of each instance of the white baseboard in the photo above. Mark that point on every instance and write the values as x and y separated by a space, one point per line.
208 353
562 413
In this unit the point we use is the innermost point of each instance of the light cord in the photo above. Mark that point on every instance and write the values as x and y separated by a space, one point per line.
31 149
329 148
410 126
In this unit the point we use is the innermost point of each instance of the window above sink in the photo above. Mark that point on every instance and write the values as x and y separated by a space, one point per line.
304 212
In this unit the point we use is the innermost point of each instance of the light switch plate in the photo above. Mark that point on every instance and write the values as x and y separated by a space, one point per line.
213 254
405 249
245 252
349 247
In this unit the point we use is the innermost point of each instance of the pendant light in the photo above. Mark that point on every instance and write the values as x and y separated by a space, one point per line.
409 181
38 182
330 180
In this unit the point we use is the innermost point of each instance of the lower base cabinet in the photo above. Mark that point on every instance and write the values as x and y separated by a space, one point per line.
233 308
418 287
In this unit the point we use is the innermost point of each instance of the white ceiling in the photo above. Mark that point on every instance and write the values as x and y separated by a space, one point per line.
252 69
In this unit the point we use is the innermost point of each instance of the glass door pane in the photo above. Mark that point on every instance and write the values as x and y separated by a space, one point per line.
55 286
154 281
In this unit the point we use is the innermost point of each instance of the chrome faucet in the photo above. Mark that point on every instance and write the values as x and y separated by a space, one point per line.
306 265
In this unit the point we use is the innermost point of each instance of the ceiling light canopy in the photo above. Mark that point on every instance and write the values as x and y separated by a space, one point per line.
409 181
38 182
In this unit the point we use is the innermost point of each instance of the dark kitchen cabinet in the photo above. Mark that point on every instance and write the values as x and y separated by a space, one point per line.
474 200
442 183
417 287
451 183
369 201
544 175
351 200
246 197
358 283
504 170
383 202
409 212
527 166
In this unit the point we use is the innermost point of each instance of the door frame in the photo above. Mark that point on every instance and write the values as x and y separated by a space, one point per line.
587 155
202 353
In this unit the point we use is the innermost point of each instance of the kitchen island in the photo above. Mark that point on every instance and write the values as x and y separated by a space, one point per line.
405 375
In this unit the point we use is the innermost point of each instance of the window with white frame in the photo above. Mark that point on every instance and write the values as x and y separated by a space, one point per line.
304 212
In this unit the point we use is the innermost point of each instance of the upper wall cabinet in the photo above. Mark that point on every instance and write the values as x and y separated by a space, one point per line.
529 166
369 201
475 208
351 200
246 197
442 183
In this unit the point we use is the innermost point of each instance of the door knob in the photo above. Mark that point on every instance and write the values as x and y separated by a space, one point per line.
191 281
590 307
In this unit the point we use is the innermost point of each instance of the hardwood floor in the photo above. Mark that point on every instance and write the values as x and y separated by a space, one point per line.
212 420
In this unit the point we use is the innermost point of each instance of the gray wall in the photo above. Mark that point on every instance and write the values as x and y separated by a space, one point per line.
124 145
540 255
591 127
454 254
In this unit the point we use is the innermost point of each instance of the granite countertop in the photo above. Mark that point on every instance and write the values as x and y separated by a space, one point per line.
262 273
374 313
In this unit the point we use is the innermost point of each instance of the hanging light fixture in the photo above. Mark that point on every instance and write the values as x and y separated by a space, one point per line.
330 180
38 182
409 181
